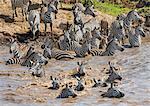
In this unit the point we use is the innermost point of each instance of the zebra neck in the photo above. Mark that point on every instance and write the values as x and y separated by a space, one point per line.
127 22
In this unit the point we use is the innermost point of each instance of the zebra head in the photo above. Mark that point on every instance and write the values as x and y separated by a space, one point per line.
80 85
81 68
55 83
113 76
67 92
96 33
34 26
114 45
134 16
139 31
90 11
47 53
67 36
52 8
48 43
13 45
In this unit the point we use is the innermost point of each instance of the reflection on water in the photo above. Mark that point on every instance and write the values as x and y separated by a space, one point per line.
136 77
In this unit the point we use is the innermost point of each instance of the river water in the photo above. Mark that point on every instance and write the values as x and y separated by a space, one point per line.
134 62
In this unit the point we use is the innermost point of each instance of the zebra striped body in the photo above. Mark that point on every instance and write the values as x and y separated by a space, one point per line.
126 22
20 4
95 40
15 50
34 21
13 61
135 36
112 46
57 54
117 30
82 50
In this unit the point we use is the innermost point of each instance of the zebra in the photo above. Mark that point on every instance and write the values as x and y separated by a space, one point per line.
117 31
34 22
113 76
67 92
113 93
15 49
135 36
96 38
112 46
82 50
91 24
126 22
36 69
78 17
55 83
81 69
64 41
24 4
48 16
80 86
35 57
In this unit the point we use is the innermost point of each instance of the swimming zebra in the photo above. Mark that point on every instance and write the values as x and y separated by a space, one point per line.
112 46
23 4
80 86
135 36
113 93
81 69
48 16
67 92
34 22
55 83
36 69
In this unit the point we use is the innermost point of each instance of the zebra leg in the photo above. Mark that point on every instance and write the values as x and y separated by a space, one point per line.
51 26
16 12
55 16
45 27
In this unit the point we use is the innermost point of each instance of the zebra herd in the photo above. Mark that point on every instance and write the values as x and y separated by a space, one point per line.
82 38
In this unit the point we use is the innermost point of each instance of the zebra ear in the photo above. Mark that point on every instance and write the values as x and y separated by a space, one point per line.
51 78
78 63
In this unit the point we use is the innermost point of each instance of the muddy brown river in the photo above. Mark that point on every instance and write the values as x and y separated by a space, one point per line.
19 88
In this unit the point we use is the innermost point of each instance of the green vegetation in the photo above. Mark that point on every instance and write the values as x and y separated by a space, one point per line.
112 9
